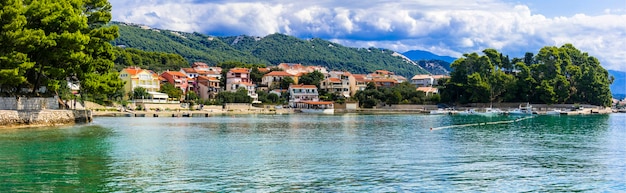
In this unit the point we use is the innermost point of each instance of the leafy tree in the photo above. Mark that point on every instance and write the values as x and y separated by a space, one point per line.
313 78
240 96
273 97
255 75
15 41
140 93
43 43
171 90
192 96
286 81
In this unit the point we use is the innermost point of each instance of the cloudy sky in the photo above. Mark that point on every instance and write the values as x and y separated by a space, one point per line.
444 27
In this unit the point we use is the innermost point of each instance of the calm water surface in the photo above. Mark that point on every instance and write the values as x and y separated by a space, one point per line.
318 153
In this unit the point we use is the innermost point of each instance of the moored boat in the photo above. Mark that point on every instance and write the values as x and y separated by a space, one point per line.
491 112
554 112
318 107
522 110
441 112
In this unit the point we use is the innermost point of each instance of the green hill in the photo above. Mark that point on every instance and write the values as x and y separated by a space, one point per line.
270 50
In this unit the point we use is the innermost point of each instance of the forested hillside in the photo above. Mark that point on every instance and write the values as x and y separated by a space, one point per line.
157 61
270 50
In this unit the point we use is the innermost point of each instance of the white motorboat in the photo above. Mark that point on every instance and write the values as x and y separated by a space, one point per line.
490 112
468 112
318 107
522 110
554 112
441 112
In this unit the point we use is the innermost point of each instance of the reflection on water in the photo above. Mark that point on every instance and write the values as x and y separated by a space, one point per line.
54 159
319 153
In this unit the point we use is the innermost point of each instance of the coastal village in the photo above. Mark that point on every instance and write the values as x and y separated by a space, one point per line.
204 80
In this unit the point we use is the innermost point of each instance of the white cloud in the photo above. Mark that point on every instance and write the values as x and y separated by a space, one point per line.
442 27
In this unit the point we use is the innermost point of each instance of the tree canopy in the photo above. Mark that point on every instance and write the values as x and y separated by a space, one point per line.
554 75
42 43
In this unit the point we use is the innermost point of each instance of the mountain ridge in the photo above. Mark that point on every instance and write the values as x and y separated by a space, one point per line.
269 50
426 55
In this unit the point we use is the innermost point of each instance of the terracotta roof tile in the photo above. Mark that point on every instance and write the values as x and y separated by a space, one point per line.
189 70
133 70
278 73
384 80
334 79
318 102
239 70
174 73
303 86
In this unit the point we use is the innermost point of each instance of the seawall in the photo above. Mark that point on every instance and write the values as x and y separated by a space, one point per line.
35 118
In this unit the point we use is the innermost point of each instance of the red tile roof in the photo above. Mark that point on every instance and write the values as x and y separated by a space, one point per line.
239 70
278 73
383 72
264 70
189 70
384 80
246 83
174 73
303 86
334 79
133 70
317 102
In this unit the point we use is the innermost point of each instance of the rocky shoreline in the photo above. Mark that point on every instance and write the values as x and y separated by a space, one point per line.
39 118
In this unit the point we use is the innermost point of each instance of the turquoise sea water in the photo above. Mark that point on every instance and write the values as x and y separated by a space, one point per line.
318 153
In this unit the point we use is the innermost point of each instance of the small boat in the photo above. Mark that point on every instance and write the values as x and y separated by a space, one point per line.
468 112
441 112
317 107
554 112
490 112
522 110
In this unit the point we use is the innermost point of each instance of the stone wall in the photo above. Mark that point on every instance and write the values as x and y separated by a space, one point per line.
28 118
27 103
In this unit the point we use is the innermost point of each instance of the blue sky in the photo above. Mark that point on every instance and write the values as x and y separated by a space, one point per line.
444 27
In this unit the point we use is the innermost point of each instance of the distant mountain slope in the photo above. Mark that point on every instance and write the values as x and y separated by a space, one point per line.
433 63
619 85
416 55
435 66
270 50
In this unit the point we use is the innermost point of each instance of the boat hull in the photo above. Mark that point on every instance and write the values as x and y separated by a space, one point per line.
318 111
